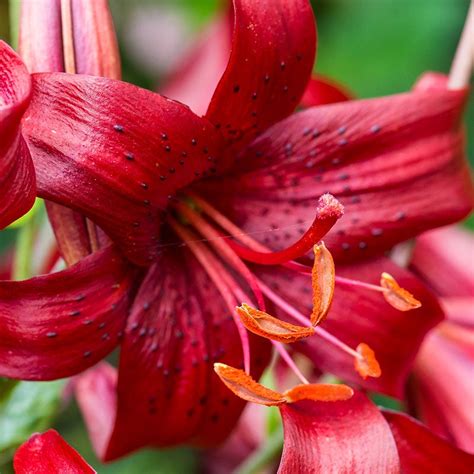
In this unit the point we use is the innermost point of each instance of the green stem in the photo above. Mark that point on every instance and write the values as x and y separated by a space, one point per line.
14 7
265 454
22 268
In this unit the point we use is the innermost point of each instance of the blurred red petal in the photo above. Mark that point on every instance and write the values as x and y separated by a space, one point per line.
322 90
57 325
422 451
17 179
440 258
48 453
337 437
194 82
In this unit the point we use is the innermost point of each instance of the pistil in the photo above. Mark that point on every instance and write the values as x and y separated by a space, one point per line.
328 211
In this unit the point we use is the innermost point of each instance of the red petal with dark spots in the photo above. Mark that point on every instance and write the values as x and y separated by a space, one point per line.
322 90
167 390
273 50
195 80
360 315
395 163
337 437
48 453
57 325
17 180
422 451
115 153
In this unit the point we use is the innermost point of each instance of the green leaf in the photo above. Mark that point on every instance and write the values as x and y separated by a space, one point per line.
25 408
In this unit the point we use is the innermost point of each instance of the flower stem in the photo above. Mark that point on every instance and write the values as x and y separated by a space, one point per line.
463 62
24 249
265 454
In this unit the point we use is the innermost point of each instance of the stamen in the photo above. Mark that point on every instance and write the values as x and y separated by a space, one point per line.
394 294
215 271
272 328
320 392
328 211
223 248
327 336
245 387
368 365
322 281
397 296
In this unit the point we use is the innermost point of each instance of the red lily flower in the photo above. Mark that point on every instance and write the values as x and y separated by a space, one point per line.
449 348
104 141
48 453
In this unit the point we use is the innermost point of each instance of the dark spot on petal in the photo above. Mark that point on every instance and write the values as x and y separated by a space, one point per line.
129 156
51 334
118 128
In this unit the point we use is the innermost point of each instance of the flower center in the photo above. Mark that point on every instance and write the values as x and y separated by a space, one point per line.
222 249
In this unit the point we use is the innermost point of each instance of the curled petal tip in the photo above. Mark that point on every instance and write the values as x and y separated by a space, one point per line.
265 325
367 365
397 296
329 206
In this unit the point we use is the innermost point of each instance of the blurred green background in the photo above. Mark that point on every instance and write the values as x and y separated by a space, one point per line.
375 47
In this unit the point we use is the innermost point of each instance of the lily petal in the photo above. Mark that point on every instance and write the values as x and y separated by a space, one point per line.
359 315
440 258
95 148
322 90
395 163
273 50
57 325
337 437
48 453
167 390
17 179
422 451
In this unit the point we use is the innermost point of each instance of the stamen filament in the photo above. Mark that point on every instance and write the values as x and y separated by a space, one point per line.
361 284
222 246
328 211
289 361
215 271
